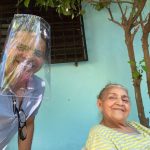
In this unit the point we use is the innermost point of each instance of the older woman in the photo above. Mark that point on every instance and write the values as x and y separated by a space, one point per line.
114 131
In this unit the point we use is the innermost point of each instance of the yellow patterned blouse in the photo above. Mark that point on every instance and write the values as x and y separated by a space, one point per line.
104 138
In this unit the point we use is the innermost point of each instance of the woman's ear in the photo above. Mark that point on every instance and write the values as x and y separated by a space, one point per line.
99 104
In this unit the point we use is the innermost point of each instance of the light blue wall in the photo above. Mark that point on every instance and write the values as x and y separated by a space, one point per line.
69 109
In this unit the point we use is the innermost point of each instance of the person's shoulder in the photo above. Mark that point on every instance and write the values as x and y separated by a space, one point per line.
96 129
134 123
100 133
37 81
139 126
36 78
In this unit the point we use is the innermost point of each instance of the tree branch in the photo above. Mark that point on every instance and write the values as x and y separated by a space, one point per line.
120 8
135 31
145 46
111 17
148 23
115 1
124 19
134 15
125 12
141 22
108 1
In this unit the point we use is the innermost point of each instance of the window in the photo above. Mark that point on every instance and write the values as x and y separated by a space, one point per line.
68 38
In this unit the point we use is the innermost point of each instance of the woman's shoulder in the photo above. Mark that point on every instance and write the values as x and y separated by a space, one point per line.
139 126
94 128
38 81
136 124
36 78
99 129
36 84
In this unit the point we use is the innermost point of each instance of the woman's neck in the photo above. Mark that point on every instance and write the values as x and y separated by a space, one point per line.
114 124
19 87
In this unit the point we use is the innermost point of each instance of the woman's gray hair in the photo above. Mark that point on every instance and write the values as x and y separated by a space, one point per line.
109 86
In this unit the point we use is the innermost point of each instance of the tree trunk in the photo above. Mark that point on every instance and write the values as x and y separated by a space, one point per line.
136 81
145 46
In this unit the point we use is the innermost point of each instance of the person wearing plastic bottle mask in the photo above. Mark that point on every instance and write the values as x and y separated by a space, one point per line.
25 57
21 90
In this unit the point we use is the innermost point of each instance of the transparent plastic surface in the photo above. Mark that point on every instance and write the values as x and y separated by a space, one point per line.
26 49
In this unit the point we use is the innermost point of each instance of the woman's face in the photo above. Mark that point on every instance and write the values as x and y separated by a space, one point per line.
29 47
115 104
25 56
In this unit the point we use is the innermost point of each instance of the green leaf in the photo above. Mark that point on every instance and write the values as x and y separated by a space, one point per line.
50 3
19 2
72 16
144 67
82 11
26 3
142 61
136 75
132 62
139 1
98 6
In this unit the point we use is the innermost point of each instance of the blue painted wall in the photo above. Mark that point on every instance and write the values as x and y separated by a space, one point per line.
69 108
